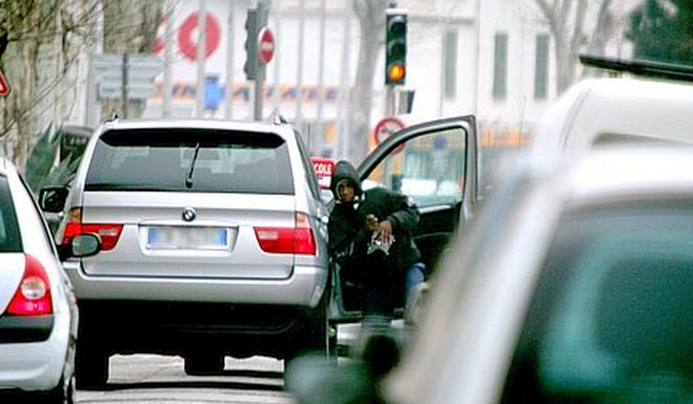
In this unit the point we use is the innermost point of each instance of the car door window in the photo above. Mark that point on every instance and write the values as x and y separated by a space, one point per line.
429 168
10 240
610 320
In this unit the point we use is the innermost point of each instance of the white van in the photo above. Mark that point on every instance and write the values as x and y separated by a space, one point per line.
614 110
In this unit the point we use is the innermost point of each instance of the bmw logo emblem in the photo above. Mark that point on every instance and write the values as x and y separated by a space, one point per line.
189 214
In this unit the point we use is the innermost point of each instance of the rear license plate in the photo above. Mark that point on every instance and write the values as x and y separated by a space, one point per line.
187 238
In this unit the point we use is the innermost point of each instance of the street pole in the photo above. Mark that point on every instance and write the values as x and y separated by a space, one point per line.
228 111
477 47
390 101
91 118
277 57
125 84
344 87
262 8
299 76
201 54
168 60
321 61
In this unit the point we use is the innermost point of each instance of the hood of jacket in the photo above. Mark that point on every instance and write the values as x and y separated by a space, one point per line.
344 170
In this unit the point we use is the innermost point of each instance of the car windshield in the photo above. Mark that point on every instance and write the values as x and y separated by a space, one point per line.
190 160
611 318
10 240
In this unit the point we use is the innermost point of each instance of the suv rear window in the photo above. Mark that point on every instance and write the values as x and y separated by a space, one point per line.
10 240
190 160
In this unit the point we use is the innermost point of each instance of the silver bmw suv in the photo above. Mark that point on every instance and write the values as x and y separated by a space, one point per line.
213 243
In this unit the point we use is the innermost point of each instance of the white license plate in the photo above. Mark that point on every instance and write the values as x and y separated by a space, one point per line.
187 237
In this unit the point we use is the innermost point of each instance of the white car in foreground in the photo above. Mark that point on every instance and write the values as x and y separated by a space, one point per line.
38 312
574 284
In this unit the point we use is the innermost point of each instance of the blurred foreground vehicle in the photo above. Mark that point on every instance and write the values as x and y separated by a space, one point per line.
652 105
38 311
574 284
214 244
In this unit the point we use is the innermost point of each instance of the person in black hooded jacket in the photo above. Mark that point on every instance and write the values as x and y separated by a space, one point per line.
361 220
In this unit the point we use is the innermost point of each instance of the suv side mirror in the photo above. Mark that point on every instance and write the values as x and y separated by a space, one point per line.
52 199
83 245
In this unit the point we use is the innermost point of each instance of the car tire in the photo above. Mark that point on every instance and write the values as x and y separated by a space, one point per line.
203 364
91 367
318 335
317 339
63 393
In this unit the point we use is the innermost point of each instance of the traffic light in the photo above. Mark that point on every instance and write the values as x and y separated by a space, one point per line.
256 20
396 46
251 28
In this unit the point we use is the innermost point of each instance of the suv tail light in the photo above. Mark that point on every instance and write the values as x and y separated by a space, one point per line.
283 240
33 296
109 233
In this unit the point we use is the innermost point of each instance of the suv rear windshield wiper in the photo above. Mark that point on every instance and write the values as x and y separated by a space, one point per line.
188 180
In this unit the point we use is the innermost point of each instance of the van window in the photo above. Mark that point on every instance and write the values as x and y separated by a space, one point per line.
190 160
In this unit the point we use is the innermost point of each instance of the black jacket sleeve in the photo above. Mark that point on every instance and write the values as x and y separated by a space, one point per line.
405 214
348 242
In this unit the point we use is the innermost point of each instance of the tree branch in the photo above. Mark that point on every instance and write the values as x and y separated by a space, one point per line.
578 37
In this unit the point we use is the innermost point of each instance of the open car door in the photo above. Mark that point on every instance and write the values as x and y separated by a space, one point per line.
434 163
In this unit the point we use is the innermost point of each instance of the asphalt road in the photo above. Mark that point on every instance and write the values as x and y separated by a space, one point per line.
153 379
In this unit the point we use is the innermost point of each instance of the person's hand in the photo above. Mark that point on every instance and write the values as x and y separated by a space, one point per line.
371 223
385 230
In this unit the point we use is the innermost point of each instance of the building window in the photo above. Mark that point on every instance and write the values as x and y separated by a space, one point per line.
541 68
450 64
500 66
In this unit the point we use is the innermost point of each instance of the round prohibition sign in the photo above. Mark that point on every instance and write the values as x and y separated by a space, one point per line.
188 44
386 128
265 45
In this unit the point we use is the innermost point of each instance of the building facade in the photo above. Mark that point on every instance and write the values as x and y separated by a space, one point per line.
493 58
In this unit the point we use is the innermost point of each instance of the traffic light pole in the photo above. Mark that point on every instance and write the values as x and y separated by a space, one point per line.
254 68
262 11
390 101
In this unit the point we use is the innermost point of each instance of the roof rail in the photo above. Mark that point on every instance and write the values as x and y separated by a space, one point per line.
115 115
279 120
639 67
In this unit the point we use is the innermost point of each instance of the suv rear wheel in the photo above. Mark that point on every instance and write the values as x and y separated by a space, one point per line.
206 363
317 339
91 367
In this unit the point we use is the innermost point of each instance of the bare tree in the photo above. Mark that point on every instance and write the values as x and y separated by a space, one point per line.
371 16
567 22
24 26
52 34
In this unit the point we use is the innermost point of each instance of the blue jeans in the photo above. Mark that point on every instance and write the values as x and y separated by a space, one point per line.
413 277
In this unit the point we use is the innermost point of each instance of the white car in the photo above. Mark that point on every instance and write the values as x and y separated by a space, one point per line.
573 284
603 111
38 312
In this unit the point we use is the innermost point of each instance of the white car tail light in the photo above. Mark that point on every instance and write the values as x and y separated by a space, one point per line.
33 296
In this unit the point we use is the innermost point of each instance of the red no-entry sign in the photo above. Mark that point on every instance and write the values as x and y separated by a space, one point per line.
265 45
4 87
